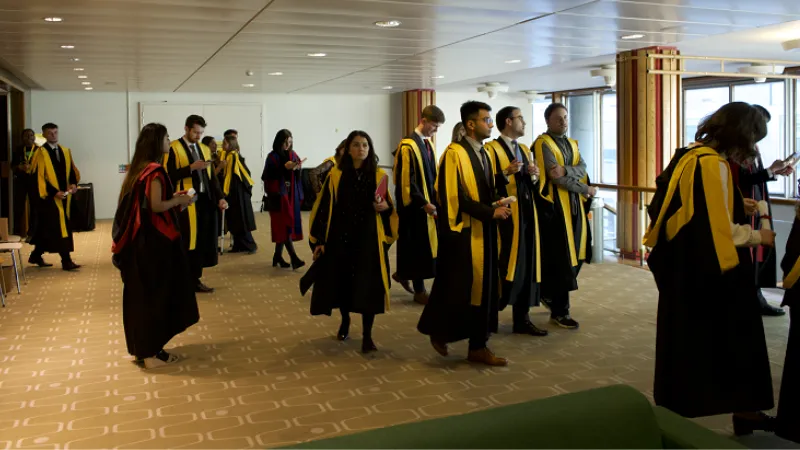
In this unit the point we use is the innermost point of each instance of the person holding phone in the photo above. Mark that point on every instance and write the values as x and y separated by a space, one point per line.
189 165
353 224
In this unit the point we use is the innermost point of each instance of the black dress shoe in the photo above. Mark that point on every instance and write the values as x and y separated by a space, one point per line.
39 262
771 311
297 263
278 261
344 330
529 328
69 266
368 346
202 288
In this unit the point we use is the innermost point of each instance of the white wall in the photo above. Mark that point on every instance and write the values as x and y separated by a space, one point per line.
101 127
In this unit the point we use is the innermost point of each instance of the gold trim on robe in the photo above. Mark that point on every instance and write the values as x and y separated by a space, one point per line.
236 167
404 150
46 174
187 183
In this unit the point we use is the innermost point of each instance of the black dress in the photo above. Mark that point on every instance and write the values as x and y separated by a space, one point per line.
789 402
158 297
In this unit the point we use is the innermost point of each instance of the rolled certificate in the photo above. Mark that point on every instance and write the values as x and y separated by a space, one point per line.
532 159
763 213
504 202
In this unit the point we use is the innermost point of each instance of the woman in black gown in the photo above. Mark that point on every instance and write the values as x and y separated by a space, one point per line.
158 298
788 423
353 224
238 187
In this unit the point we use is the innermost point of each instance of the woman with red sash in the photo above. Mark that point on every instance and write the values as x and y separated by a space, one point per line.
158 298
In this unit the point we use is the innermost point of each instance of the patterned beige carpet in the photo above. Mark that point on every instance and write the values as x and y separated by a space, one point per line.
260 372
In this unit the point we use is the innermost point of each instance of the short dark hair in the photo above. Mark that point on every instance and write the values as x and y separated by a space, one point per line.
735 128
503 115
194 119
26 130
230 132
552 108
207 140
764 112
433 113
470 110
49 126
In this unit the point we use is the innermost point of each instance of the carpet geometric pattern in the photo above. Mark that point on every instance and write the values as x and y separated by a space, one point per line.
259 371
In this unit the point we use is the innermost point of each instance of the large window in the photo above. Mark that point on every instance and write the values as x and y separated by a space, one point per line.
537 121
700 103
608 132
581 128
773 97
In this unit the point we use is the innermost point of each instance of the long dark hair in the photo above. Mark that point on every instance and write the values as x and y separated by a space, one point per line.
280 138
733 130
149 149
370 165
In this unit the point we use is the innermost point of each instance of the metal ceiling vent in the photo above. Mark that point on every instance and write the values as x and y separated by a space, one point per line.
493 88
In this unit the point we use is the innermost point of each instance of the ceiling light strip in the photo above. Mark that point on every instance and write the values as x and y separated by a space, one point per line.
724 74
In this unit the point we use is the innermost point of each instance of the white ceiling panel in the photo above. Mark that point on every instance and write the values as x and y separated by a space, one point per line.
208 45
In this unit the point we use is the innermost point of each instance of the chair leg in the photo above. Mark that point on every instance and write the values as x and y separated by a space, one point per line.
16 270
22 266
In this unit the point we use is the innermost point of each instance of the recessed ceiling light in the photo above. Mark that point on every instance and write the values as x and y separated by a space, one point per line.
74 59
68 46
387 88
53 19
86 83
275 74
83 77
317 55
248 85
78 69
89 88
513 61
438 77
388 23
632 36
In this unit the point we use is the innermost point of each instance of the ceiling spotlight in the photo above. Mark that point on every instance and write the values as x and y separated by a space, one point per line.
438 77
248 85
387 88
388 23
78 69
791 46
608 72
275 74
86 83
249 73
83 77
761 69
53 19
513 61
74 59
493 88
68 46
632 36
88 88
317 55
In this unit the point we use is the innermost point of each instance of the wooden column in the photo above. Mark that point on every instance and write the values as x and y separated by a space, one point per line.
413 104
648 132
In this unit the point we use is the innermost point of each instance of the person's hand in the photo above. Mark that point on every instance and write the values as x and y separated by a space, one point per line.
750 207
380 206
592 191
223 204
183 200
777 166
430 209
533 169
767 238
223 163
501 213
785 172
61 195
513 168
73 189
319 251
198 165
290 165
557 172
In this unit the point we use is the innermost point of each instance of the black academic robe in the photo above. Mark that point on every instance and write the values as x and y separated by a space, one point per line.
789 401
199 222
353 273
25 191
752 181
519 256
53 233
158 296
414 178
464 299
238 189
561 211
704 367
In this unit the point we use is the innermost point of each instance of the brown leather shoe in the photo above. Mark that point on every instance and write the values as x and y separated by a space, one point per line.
440 347
485 356
405 283
421 298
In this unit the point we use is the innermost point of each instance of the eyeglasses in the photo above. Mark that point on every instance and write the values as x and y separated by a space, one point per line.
518 117
486 120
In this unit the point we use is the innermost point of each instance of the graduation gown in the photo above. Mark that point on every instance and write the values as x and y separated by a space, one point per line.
199 222
704 365
789 401
562 220
25 191
752 181
414 178
158 296
353 273
467 270
284 190
520 256
238 188
53 233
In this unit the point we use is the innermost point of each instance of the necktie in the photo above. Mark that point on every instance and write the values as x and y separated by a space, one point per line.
486 170
517 153
196 156
56 152
430 150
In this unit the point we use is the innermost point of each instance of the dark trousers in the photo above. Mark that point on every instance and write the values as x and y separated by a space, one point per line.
479 336
559 305
367 320
520 313
37 253
419 285
789 402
